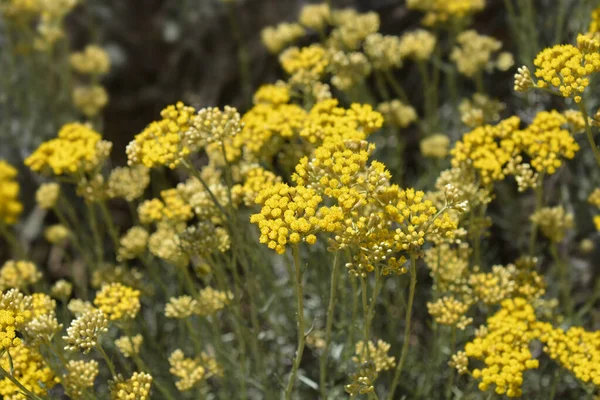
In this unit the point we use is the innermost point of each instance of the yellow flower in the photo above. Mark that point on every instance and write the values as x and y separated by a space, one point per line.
287 215
311 60
553 222
504 348
135 388
161 143
474 52
395 113
93 60
385 52
435 146
15 311
77 149
90 100
129 346
566 68
80 377
315 16
117 301
279 37
417 45
84 332
18 275
30 369
10 206
449 311
441 11
128 183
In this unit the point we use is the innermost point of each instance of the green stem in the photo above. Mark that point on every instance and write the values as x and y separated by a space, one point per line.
112 229
565 282
300 323
407 320
328 326
588 131
452 370
13 241
396 86
539 202
109 363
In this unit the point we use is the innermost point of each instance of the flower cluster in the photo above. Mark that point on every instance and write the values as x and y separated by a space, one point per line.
10 206
117 301
18 274
77 149
440 11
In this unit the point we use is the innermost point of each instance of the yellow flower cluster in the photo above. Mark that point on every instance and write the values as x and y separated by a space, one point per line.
255 178
473 52
553 222
395 113
441 11
384 51
479 110
162 142
47 195
495 151
128 183
211 301
16 310
84 331
192 371
575 349
370 360
504 348
595 22
315 16
417 45
56 234
90 99
309 62
18 275
449 311
435 146
29 368
117 301
211 126
566 68
272 94
10 206
129 346
545 142
173 208
352 28
349 69
288 215
135 388
277 38
93 60
76 150
133 243
80 377
328 122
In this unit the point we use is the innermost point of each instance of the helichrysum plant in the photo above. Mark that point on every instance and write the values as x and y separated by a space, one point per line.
378 223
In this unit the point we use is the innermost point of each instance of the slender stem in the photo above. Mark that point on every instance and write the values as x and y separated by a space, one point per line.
396 86
112 229
243 56
13 241
565 282
328 326
374 297
407 320
588 131
452 370
197 175
539 202
300 324
109 363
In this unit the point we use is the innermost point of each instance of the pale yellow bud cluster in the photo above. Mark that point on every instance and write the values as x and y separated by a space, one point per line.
62 289
315 16
129 346
449 311
189 371
117 301
473 52
80 377
93 60
84 331
396 113
18 274
56 234
349 69
47 195
135 388
384 51
133 243
277 38
554 222
128 183
417 45
90 99
435 146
